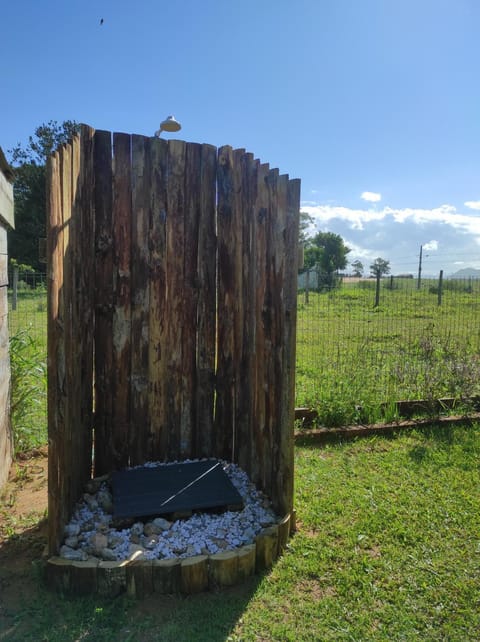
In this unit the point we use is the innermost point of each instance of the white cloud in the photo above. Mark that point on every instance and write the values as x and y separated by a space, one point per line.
372 197
473 205
449 235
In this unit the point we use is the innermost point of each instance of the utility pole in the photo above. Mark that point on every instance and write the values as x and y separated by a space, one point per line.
419 280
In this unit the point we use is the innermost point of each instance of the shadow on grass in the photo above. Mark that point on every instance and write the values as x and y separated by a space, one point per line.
29 611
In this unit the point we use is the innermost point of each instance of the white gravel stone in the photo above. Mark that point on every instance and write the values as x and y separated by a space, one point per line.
202 533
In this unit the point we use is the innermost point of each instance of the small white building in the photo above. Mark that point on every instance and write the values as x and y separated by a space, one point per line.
6 221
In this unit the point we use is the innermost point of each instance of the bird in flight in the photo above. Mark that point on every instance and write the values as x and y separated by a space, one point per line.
101 21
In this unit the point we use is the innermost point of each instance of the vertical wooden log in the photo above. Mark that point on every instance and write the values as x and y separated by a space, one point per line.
121 313
69 465
256 470
140 274
271 320
175 298
284 496
229 300
158 347
85 295
206 318
79 325
277 268
190 289
56 355
105 455
245 415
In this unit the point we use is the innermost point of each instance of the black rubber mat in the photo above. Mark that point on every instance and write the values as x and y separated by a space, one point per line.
186 486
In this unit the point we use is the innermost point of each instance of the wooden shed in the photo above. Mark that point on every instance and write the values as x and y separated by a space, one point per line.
6 220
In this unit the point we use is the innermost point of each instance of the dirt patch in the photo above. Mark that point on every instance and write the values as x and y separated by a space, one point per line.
23 531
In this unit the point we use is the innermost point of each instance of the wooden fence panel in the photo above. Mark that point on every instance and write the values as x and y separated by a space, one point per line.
78 332
177 270
246 357
285 466
229 300
121 286
158 347
140 284
174 385
84 303
258 454
105 453
206 305
56 356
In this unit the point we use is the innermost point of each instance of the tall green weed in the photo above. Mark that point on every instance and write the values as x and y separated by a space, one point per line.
28 391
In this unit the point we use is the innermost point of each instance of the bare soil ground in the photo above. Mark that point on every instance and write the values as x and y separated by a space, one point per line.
23 532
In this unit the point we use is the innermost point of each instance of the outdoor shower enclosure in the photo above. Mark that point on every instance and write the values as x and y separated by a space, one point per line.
171 312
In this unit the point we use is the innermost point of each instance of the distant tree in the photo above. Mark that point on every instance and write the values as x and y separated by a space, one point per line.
29 189
331 257
357 268
305 222
379 267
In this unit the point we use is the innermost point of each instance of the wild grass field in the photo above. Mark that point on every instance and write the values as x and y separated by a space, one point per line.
352 357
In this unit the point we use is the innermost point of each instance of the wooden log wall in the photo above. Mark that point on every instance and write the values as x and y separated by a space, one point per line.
172 294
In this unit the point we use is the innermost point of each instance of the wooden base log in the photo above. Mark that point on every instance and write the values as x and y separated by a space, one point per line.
166 576
283 534
57 574
194 574
266 548
223 569
111 578
246 561
139 576
83 577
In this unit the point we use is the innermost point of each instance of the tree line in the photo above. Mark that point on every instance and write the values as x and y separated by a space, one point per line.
327 254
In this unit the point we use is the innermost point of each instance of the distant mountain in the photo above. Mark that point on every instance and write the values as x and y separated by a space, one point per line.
465 273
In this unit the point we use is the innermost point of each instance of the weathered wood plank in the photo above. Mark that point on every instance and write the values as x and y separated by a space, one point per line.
121 320
229 299
55 359
85 295
5 427
105 454
158 346
256 469
245 398
206 323
140 284
284 501
175 296
191 285
66 437
75 329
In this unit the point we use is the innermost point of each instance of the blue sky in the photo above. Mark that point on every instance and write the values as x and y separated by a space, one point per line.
374 104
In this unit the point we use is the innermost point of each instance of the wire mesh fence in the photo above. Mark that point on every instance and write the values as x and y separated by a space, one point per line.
356 359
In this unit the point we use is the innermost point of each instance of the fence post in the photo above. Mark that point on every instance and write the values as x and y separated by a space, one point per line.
15 288
307 285
377 291
440 284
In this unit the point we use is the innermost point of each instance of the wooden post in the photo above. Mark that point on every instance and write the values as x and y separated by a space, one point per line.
377 290
440 287
14 288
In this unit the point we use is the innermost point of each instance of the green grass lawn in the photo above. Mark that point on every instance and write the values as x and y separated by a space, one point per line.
388 548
